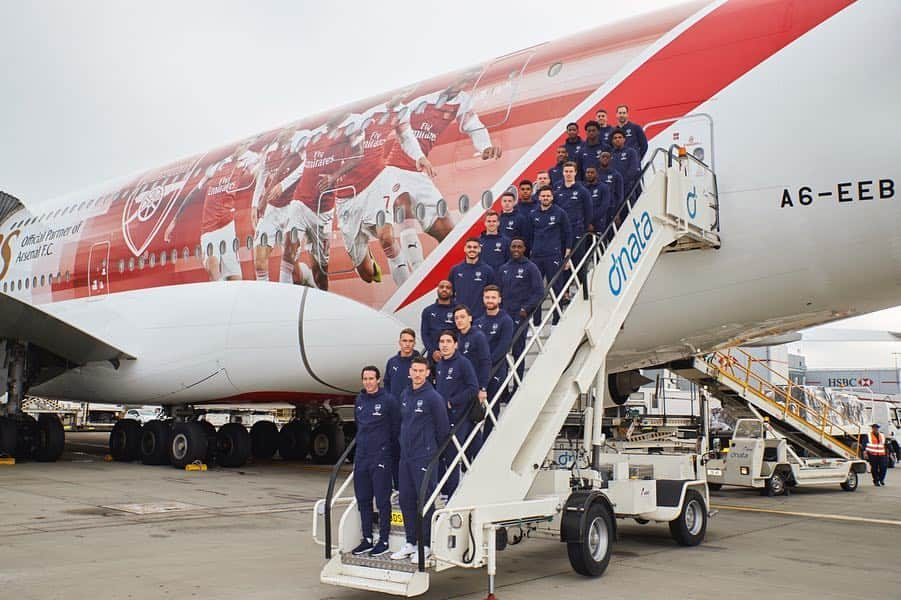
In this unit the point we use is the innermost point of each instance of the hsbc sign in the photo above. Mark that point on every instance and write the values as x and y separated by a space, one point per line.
849 382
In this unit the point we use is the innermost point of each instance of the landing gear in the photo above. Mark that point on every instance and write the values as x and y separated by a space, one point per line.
155 443
50 440
690 527
125 441
263 440
188 444
7 436
590 554
294 440
328 443
233 445
26 436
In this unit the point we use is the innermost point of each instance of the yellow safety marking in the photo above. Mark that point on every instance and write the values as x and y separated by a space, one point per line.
195 467
7 460
792 513
397 517
108 458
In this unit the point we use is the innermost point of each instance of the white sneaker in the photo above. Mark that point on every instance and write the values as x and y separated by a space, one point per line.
415 559
405 552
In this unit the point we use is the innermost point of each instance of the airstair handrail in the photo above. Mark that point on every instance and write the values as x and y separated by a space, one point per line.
336 470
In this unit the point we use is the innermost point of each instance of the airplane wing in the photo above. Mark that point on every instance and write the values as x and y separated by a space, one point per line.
24 322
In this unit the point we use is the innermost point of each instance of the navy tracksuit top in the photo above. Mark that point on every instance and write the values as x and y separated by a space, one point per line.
423 422
551 232
456 381
378 425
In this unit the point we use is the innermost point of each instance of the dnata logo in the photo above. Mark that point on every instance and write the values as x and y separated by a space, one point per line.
691 203
6 251
626 259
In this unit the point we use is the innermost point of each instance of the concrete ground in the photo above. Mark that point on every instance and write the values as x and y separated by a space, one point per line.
245 533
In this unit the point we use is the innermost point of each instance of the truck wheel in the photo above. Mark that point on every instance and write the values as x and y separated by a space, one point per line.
51 439
850 484
294 440
7 436
125 440
327 444
714 487
690 527
155 436
775 485
232 445
590 555
892 460
263 439
188 444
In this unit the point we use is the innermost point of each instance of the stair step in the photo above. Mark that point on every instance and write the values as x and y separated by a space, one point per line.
383 563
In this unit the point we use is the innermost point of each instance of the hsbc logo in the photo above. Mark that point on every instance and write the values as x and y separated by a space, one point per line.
6 251
850 382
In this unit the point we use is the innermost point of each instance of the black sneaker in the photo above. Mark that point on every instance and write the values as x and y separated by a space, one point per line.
364 547
380 549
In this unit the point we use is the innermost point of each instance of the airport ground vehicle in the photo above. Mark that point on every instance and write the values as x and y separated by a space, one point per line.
513 488
759 458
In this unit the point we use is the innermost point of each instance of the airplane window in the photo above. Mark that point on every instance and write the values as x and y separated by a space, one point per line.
419 211
152 260
554 69
131 263
198 251
399 214
67 277
209 249
26 284
59 277
512 189
222 247
264 240
487 199
278 237
295 235
43 281
121 265
463 203
235 245
174 256
141 263
185 253
34 282
20 285
163 257
379 219
249 242
441 208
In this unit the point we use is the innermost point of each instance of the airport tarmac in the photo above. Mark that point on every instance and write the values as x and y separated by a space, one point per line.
85 528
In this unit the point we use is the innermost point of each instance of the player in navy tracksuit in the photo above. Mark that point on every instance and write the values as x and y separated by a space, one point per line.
633 133
600 201
614 181
437 317
526 202
604 130
625 161
423 427
378 423
522 289
552 240
556 172
573 142
495 245
458 384
575 199
498 329
397 371
515 215
470 276
591 149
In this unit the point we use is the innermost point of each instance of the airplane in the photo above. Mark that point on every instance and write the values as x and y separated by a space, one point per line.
147 290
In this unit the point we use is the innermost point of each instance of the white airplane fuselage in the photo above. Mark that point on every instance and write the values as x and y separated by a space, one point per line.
800 129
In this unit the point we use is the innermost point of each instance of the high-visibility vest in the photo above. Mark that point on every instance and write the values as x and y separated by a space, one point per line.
876 445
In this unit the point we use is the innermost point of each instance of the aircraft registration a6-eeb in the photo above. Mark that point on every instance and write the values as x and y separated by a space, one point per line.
147 291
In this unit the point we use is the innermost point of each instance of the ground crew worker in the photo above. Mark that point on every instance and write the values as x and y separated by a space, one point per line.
522 290
456 381
437 317
876 455
470 277
378 423
495 245
423 427
397 371
498 329
552 240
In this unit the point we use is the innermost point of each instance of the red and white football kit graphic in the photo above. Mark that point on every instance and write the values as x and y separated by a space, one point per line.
282 214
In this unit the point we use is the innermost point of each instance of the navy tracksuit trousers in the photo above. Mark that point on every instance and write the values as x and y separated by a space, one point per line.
412 472
373 480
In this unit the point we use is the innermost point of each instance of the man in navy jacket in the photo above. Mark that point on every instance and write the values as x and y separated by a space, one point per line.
378 423
437 317
471 276
573 142
498 328
600 201
552 240
633 132
423 427
397 371
522 289
625 161
495 245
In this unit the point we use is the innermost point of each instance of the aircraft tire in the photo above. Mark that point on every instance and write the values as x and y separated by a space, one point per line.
263 440
125 441
327 444
690 527
188 444
51 438
155 436
211 441
294 440
26 437
590 555
233 445
7 436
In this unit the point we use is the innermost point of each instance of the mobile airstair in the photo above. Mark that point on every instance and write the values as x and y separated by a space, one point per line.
511 491
796 437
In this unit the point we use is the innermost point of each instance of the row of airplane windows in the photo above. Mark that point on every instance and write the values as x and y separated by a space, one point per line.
35 282
102 201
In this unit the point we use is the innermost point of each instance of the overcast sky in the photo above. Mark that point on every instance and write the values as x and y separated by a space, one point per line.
97 89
